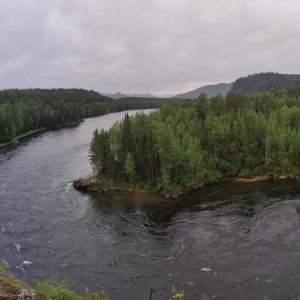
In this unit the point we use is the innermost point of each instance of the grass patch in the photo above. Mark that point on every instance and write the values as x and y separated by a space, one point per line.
60 292
5 265
20 136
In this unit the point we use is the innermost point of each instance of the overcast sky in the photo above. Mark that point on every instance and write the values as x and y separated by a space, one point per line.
156 46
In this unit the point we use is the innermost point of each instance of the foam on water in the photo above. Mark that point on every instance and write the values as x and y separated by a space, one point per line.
18 247
25 263
206 269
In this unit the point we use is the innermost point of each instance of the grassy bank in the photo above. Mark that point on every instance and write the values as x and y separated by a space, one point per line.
11 287
21 136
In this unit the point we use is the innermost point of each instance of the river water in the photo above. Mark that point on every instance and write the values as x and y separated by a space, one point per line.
231 241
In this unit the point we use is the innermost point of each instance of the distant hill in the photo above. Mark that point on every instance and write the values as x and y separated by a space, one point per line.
147 95
120 95
209 90
263 82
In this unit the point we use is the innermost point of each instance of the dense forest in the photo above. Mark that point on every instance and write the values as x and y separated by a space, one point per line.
263 82
24 110
188 143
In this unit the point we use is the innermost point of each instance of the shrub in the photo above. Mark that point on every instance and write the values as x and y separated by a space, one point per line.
5 265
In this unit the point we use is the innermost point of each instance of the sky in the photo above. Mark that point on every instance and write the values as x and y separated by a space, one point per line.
139 46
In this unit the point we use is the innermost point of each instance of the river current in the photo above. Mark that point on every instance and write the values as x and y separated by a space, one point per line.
231 241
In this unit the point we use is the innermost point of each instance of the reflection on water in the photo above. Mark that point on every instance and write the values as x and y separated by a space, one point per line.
232 241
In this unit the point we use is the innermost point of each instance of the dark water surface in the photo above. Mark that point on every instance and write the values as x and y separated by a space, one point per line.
228 240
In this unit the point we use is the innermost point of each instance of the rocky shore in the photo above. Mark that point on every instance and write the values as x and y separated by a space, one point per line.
12 288
104 186
93 185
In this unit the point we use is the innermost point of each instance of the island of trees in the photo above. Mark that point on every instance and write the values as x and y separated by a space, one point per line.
29 110
188 143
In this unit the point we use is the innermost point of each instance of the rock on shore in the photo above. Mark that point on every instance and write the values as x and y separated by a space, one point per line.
93 185
84 184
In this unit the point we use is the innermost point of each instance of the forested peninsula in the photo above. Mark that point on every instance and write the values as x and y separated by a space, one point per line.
26 111
189 143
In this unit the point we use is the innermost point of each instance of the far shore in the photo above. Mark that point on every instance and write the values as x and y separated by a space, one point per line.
29 133
21 136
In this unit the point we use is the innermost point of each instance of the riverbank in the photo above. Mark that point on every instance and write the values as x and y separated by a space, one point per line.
29 133
12 288
259 178
21 136
91 184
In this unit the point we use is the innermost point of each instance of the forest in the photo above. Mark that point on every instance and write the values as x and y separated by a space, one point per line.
188 143
263 82
25 110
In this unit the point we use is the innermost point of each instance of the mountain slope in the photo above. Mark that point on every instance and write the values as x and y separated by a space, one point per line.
121 95
263 82
209 90
147 95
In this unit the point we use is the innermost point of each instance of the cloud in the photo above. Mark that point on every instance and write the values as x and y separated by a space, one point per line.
161 46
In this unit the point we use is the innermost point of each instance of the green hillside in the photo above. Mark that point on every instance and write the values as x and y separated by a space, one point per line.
264 82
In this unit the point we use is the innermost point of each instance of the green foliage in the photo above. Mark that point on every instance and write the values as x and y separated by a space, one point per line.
5 265
22 111
264 82
181 295
10 281
129 165
188 143
60 292
298 210
177 295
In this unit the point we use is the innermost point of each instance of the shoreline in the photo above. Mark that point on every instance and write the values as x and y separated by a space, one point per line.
22 136
27 134
34 132
92 185
259 178
13 288
106 186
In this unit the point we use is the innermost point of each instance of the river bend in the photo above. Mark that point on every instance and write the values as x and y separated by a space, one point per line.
230 241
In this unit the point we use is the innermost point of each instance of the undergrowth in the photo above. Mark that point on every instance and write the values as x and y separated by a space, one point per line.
60 292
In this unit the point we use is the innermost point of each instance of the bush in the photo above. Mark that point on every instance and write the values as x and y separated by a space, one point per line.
177 296
5 265
181 296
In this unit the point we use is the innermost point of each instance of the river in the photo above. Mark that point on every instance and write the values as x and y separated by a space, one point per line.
231 241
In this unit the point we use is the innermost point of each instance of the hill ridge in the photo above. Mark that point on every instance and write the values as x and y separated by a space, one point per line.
210 90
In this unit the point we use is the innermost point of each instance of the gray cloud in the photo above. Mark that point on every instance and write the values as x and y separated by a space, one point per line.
158 46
